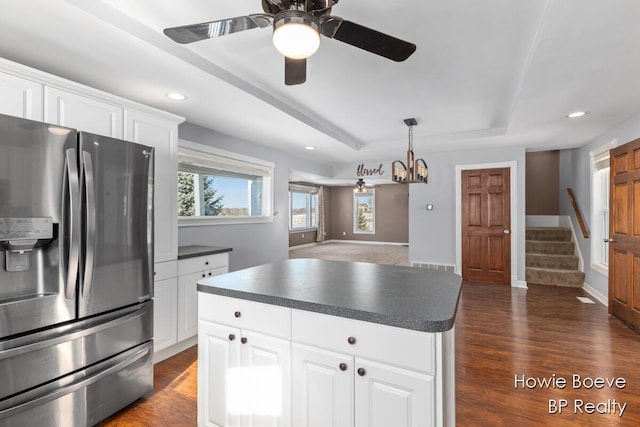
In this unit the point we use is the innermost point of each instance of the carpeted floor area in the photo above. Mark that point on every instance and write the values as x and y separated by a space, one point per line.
337 251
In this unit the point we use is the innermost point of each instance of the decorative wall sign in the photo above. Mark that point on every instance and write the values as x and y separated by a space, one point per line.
362 170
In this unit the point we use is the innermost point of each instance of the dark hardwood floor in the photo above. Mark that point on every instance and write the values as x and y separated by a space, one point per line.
501 333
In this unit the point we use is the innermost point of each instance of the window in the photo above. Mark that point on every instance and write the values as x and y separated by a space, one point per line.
219 187
600 210
364 212
303 207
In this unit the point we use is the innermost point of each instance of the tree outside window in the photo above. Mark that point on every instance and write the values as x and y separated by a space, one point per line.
364 212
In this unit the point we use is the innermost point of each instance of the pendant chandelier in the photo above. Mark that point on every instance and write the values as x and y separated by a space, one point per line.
360 186
415 170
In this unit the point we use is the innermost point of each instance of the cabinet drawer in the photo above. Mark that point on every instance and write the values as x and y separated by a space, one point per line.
238 313
397 346
207 262
165 270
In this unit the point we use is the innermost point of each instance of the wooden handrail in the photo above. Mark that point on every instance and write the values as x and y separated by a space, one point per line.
583 226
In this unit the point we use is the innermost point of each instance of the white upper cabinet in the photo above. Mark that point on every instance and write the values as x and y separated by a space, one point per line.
80 112
20 97
162 135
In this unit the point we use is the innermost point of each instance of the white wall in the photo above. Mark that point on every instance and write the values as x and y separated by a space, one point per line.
575 174
252 244
432 234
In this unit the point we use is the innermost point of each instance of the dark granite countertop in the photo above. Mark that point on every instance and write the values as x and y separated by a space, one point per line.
193 251
405 297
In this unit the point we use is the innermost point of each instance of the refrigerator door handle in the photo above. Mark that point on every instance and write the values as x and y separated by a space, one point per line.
90 221
71 184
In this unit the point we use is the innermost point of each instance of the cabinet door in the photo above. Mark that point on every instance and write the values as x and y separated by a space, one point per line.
388 396
188 305
20 97
165 313
188 301
218 352
162 135
266 365
83 113
322 388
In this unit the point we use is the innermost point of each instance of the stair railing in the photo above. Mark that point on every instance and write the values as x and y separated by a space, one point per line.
574 203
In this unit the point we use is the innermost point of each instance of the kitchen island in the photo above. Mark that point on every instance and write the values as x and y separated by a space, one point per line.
312 342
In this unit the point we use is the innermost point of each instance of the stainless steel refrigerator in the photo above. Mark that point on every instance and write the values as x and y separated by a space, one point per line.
76 274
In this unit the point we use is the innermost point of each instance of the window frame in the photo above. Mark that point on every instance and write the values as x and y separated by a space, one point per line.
312 220
371 192
599 229
207 152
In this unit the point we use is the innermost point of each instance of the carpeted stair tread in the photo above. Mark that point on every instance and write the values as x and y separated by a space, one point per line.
550 247
555 277
550 257
548 234
541 260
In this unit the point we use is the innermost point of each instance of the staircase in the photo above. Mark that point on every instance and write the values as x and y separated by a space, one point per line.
550 258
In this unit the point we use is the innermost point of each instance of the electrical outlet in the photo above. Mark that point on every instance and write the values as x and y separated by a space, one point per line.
303 235
344 233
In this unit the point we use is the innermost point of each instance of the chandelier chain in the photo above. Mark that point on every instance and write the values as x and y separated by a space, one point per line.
411 138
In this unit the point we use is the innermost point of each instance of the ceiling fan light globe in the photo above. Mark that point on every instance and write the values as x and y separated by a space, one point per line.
296 41
296 34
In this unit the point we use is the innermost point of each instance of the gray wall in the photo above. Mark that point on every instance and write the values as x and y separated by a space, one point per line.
252 244
391 222
575 173
542 183
432 237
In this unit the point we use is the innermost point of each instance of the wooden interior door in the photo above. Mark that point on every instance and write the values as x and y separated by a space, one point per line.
486 225
624 234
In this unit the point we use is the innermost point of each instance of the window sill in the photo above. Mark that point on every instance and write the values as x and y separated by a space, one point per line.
303 230
207 221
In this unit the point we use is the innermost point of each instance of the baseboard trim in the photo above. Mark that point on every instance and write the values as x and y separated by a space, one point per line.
166 353
306 245
367 242
596 294
515 283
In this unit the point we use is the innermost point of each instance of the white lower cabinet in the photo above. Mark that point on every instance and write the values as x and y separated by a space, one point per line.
165 313
165 304
190 270
243 378
343 372
390 396
335 390
322 388
175 318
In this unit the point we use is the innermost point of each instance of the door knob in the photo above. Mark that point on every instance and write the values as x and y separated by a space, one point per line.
608 240
506 232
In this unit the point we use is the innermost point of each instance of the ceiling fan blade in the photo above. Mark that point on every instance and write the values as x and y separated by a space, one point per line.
295 71
206 30
275 6
365 38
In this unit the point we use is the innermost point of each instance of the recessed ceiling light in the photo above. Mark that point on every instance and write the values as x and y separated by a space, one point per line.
576 114
176 96
309 147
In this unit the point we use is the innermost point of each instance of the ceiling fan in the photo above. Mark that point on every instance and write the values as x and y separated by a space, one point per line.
297 25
